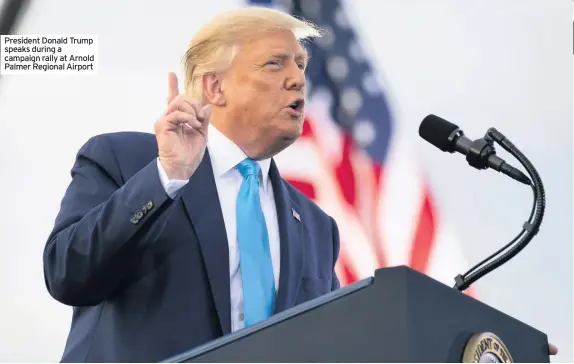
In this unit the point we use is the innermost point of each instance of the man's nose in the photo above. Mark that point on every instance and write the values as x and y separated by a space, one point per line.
295 79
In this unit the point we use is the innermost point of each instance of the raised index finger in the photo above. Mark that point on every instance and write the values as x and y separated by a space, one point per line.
173 90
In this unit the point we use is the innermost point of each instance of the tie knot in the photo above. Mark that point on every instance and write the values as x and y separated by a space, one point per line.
249 167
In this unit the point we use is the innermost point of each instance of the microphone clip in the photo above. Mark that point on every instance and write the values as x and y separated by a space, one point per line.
479 152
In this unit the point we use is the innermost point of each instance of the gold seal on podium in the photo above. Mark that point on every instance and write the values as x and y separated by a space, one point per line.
486 348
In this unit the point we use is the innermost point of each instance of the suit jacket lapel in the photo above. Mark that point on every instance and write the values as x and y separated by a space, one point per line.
202 204
291 240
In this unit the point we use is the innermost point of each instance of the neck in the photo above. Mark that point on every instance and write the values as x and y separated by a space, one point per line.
242 138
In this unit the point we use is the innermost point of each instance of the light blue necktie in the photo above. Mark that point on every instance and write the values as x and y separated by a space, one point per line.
255 258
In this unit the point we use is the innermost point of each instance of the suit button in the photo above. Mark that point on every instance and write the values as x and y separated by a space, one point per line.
139 215
144 210
241 317
134 220
149 205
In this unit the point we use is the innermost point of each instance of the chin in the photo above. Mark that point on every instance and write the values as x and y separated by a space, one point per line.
290 136
276 137
296 129
287 139
281 142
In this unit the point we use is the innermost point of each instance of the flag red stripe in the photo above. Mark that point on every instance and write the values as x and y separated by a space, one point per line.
307 129
305 187
345 174
349 276
424 235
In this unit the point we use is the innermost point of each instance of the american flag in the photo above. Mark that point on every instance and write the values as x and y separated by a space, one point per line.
357 165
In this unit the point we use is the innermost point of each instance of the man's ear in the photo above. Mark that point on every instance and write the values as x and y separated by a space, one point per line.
213 90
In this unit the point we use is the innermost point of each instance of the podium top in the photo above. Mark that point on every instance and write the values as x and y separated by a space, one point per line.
399 315
273 320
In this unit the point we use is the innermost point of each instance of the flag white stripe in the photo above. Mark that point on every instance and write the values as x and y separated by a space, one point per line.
402 194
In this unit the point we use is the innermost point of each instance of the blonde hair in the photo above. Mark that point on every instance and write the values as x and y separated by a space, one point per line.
214 45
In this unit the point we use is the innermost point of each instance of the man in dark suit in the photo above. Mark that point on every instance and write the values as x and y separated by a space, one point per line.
164 242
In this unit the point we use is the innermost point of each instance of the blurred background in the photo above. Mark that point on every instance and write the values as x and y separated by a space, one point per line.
384 66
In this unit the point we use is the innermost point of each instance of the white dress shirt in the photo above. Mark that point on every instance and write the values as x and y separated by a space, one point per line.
225 155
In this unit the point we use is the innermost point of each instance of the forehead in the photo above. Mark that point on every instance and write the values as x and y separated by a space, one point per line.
269 43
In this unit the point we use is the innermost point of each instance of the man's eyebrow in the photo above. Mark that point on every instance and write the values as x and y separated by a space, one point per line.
303 56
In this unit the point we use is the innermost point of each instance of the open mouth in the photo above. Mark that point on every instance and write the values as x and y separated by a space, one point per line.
297 105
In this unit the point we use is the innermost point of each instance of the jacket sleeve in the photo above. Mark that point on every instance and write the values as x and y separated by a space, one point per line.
335 285
102 226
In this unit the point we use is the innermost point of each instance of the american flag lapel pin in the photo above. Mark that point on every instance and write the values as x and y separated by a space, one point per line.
296 215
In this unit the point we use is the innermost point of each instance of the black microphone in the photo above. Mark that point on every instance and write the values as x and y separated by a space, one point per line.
480 153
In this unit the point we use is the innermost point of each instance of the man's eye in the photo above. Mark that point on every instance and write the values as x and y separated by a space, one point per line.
273 63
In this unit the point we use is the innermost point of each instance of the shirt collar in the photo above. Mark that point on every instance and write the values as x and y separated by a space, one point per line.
225 154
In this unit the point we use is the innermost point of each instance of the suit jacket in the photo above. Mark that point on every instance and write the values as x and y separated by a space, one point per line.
148 276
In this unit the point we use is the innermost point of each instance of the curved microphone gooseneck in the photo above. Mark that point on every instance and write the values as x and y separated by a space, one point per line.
530 227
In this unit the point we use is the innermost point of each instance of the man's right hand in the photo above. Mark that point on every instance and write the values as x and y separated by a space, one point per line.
181 133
